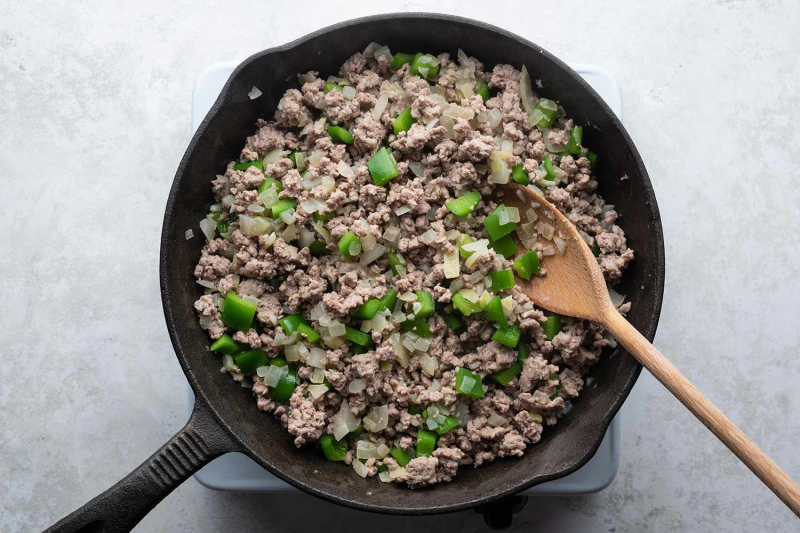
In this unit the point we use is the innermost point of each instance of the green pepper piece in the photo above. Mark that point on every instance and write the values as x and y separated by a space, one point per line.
330 86
464 306
358 337
505 246
322 218
464 204
291 323
244 166
418 326
226 345
483 90
452 321
269 181
493 226
522 351
549 109
283 205
382 166
426 442
508 336
293 158
428 305
400 455
309 333
238 312
550 174
425 413
552 326
415 410
250 360
340 134
357 432
318 248
222 225
382 468
334 450
505 376
519 175
422 61
493 312
592 157
450 423
527 265
389 299
368 309
465 239
283 391
357 349
575 139
399 60
396 260
595 249
469 383
345 242
502 280
403 121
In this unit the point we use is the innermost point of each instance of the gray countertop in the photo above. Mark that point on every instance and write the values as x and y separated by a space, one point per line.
94 117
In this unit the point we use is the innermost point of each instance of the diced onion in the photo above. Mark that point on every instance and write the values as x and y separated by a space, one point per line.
348 92
227 362
496 420
452 265
312 205
306 237
255 208
383 450
315 157
209 228
428 363
254 93
500 171
456 111
377 419
316 358
274 156
429 236
346 419
327 184
268 197
402 210
495 117
336 329
397 472
383 51
371 255
318 376
253 226
368 242
366 450
545 230
361 469
528 97
416 168
273 375
561 245
357 385
380 106
322 230
391 234
290 233
189 234
400 352
385 476
369 51
617 299
291 353
317 390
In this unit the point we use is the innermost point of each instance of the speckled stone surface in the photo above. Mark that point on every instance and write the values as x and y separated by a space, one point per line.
94 117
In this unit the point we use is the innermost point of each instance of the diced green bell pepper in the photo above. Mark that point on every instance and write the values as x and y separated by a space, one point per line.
334 450
345 242
283 391
469 383
418 326
575 139
396 260
291 323
508 336
428 305
550 174
225 345
450 423
309 333
358 337
483 90
519 175
323 218
502 280
330 86
244 166
464 204
318 248
421 61
522 351
452 321
549 109
426 442
283 205
389 299
465 239
414 410
382 166
340 134
527 265
505 376
270 182
403 121
493 312
493 226
400 455
238 312
505 246
250 360
399 60
368 309
552 326
464 306
592 157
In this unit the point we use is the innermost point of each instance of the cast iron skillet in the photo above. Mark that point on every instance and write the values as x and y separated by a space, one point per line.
225 418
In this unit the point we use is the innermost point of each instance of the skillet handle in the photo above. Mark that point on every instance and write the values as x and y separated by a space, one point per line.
124 505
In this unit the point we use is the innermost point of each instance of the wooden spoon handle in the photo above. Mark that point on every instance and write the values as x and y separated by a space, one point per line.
734 438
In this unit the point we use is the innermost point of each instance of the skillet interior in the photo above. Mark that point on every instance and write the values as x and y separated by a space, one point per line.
219 140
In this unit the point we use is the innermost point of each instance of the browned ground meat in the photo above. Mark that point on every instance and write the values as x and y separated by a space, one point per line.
400 384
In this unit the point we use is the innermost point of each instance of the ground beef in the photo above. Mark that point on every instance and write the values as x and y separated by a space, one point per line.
390 363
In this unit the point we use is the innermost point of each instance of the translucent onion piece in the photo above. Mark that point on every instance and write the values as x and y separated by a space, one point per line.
316 358
317 390
429 236
513 213
336 329
527 95
254 93
368 242
452 265
377 419
369 51
545 230
402 210
274 156
209 228
561 245
385 476
348 92
384 52
397 472
306 237
428 363
382 450
372 255
496 420
361 469
366 450
318 376
312 205
315 158
500 171
269 197
391 234
617 299
356 386
273 375
291 353
456 111
189 234
380 106
327 184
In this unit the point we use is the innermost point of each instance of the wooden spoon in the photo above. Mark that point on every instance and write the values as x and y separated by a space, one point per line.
574 286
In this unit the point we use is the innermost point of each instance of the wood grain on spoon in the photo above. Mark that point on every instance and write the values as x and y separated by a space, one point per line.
574 286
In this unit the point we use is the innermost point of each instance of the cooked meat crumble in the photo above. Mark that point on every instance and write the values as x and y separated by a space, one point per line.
373 314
